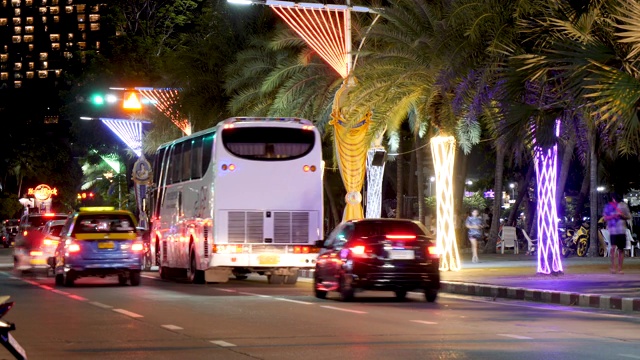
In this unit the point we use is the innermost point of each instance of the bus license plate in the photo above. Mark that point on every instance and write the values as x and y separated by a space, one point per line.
106 245
401 254
268 259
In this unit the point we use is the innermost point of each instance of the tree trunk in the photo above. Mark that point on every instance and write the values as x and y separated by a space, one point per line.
567 155
490 248
582 197
411 181
335 213
593 198
399 183
522 191
420 183
459 187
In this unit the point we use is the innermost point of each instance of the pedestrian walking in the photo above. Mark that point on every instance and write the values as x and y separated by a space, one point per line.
616 214
474 224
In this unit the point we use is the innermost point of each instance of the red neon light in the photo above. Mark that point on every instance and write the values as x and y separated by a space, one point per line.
321 29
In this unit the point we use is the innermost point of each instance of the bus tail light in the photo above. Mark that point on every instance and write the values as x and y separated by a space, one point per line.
227 249
306 168
229 167
302 249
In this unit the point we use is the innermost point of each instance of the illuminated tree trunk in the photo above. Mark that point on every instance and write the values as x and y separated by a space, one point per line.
548 245
443 151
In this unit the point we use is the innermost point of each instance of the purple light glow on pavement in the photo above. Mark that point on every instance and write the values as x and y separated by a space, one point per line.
548 245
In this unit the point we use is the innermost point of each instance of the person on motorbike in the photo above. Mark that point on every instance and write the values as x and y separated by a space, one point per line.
616 214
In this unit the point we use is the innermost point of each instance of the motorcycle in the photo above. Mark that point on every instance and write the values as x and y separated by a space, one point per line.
8 341
576 241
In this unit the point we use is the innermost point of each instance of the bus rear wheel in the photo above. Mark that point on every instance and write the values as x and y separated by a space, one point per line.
193 274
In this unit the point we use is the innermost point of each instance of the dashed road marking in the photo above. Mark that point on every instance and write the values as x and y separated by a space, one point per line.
222 343
346 310
519 337
60 292
77 297
150 277
172 327
629 356
424 322
31 282
101 305
253 294
46 287
128 313
228 290
294 301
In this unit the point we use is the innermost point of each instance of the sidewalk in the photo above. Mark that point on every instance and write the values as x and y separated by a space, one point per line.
586 282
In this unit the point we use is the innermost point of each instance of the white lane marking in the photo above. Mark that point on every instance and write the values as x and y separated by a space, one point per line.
252 294
629 356
346 310
101 305
77 297
46 287
227 290
552 307
424 322
150 277
519 337
172 327
128 313
222 343
294 301
60 292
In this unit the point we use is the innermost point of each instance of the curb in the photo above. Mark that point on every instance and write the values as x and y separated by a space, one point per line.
603 302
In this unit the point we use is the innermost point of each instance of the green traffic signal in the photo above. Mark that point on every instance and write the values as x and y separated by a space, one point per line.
97 99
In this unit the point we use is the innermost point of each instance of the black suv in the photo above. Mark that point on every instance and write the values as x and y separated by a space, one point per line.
378 254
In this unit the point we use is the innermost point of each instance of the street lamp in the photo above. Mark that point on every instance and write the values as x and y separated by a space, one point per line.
431 180
512 186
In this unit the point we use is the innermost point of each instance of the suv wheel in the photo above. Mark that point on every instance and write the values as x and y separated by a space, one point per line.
122 279
430 294
346 291
59 279
320 294
401 294
69 279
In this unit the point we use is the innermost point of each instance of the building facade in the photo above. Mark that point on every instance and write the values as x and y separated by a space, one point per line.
38 37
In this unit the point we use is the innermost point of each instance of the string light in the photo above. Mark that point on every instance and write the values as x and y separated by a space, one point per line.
443 150
166 100
324 30
129 131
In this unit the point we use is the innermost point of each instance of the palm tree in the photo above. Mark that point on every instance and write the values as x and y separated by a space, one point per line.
593 60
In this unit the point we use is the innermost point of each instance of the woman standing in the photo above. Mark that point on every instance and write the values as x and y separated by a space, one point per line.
474 224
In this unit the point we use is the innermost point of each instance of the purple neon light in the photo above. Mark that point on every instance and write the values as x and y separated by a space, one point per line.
549 260
129 131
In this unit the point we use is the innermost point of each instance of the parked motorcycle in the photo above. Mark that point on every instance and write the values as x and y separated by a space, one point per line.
8 341
576 241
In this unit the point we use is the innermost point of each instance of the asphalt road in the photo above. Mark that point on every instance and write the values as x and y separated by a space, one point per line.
253 320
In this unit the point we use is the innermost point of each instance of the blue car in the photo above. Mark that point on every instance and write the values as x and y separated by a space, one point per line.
99 243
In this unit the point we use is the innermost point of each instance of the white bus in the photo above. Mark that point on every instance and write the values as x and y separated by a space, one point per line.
242 197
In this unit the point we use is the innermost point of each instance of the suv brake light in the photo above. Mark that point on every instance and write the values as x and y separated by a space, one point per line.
401 237
358 250
72 248
433 251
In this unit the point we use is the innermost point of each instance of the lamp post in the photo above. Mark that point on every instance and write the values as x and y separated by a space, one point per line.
431 180
512 186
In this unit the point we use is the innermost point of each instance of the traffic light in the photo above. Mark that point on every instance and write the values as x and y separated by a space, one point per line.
131 101
97 99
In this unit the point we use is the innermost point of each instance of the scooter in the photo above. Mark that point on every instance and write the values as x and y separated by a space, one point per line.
8 341
576 241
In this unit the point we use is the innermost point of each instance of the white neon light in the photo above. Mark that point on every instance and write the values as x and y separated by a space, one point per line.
374 187
129 131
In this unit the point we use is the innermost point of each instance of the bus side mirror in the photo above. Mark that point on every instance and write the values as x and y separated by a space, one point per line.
320 244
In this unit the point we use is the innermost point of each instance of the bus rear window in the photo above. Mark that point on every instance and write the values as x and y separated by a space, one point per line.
268 143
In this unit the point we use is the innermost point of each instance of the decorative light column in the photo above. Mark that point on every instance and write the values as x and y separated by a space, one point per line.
549 261
375 170
443 151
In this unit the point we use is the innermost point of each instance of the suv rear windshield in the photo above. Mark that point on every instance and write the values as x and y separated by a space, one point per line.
367 229
103 223
37 221
268 143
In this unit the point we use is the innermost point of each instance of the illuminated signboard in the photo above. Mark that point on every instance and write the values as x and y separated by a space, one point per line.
42 192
